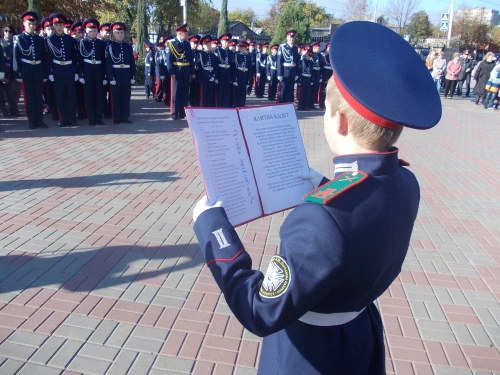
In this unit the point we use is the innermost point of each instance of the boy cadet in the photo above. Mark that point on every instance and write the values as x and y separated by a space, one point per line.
31 62
194 86
343 247
149 66
160 72
93 70
48 86
180 66
63 69
326 73
242 78
272 73
252 54
105 31
305 80
317 65
67 27
261 66
226 67
207 72
288 58
78 33
120 70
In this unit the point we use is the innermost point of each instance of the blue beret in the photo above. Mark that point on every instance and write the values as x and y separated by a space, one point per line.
58 18
118 26
382 77
30 16
91 22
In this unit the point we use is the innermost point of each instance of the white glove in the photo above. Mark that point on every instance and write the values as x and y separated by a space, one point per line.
51 78
268 78
312 83
113 82
258 74
321 80
313 176
211 79
104 82
132 81
248 86
76 77
44 80
162 77
2 75
204 204
19 80
216 81
235 83
82 80
296 77
280 78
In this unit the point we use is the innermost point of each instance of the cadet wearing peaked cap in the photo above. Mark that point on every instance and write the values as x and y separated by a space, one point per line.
225 62
78 32
194 86
105 31
67 26
326 73
288 59
149 69
317 66
272 73
345 245
160 72
253 56
31 70
93 70
207 72
48 87
261 70
242 78
120 70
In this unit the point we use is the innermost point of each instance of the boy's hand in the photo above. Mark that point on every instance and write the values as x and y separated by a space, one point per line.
204 204
313 176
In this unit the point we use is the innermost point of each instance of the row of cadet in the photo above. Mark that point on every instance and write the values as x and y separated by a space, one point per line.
226 70
70 73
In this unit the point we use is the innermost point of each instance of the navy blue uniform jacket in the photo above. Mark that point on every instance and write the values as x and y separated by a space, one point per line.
118 55
226 64
93 50
340 258
180 60
25 54
207 66
62 48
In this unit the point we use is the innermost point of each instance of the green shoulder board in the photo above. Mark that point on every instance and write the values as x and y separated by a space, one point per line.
325 193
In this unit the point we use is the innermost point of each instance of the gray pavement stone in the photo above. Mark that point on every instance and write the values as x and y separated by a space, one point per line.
174 364
439 370
123 362
143 345
142 364
65 354
462 334
16 351
150 333
47 350
244 371
120 335
82 321
89 365
73 333
419 310
100 352
27 338
10 366
479 334
32 369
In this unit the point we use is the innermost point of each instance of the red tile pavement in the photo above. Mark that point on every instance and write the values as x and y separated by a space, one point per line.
126 194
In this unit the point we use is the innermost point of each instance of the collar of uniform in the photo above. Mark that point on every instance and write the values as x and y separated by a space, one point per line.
376 164
290 45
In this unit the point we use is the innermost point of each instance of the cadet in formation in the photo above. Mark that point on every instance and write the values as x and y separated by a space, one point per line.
160 72
180 67
105 31
120 70
287 61
305 80
78 32
252 53
9 88
49 93
326 74
194 86
149 67
93 70
242 74
345 244
317 66
272 73
32 70
261 75
207 72
225 62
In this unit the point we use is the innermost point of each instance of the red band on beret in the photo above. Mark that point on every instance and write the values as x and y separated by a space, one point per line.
57 20
105 28
47 24
29 17
117 27
362 111
90 24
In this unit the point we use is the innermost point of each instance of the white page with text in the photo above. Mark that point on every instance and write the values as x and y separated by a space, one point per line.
277 153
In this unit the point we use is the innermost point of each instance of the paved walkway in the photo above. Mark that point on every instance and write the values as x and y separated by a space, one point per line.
100 271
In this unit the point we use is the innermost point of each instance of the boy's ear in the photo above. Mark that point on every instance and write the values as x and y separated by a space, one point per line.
342 124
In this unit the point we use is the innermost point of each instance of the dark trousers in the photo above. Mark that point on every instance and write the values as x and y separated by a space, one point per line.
305 94
120 98
261 85
33 93
322 94
93 102
194 94
272 88
50 99
253 82
80 101
314 94
148 86
106 100
460 86
7 96
159 94
286 89
207 94
240 96
65 91
224 91
449 87
180 95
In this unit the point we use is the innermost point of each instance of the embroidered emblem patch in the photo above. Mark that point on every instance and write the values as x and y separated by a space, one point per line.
277 278
325 193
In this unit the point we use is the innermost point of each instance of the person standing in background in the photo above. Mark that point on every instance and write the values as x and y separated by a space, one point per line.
226 71
10 89
105 31
438 67
272 73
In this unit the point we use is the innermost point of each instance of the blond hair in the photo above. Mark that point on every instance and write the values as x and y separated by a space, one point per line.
488 55
364 132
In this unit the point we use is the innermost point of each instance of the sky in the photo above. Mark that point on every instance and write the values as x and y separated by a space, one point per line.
433 7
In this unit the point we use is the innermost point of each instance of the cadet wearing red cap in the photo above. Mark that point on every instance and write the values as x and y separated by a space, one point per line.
253 55
31 70
208 72
194 86
120 70
149 68
93 70
345 244
287 61
78 32
272 73
63 69
305 80
160 70
48 87
67 27
326 73
225 62
317 66
181 69
261 66
242 78
105 31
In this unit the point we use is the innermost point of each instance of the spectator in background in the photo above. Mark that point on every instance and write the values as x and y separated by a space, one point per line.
10 89
452 70
468 64
492 87
482 75
437 70
429 62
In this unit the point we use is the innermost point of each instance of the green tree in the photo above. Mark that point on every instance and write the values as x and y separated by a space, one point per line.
246 16
317 15
223 20
34 6
141 27
420 28
293 17
495 35
473 32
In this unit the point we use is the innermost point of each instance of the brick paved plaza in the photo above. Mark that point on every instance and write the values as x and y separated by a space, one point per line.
100 271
